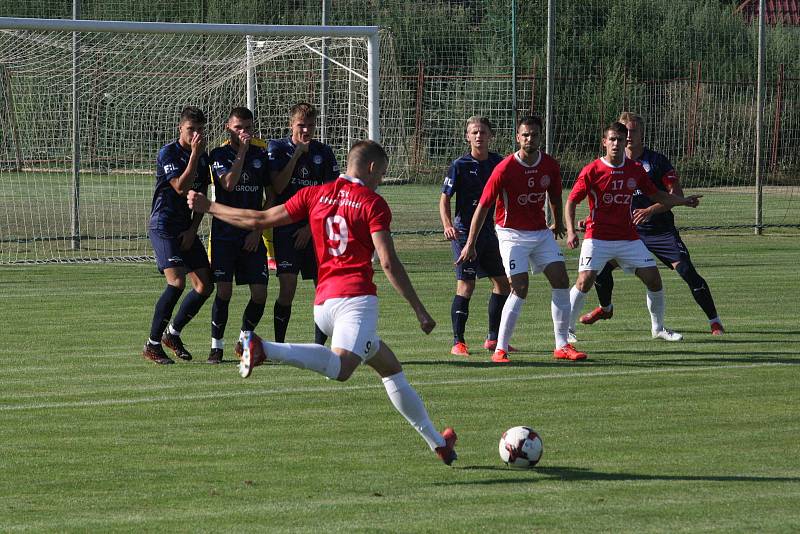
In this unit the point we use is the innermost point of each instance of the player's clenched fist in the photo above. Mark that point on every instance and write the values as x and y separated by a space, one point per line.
198 202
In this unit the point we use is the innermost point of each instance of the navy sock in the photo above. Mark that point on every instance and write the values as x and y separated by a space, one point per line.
280 319
496 303
700 290
253 313
219 317
604 285
319 336
166 303
459 313
189 308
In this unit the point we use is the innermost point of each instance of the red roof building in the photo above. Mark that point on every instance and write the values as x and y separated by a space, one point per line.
786 12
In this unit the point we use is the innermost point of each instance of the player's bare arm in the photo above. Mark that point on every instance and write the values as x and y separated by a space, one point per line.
229 180
183 183
398 277
674 188
468 253
247 219
569 221
450 233
557 209
280 179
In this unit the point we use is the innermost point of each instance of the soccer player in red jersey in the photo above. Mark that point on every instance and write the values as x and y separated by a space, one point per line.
658 233
610 183
517 188
349 223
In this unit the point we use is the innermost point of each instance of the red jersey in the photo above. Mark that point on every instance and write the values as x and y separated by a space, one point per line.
520 191
343 215
610 190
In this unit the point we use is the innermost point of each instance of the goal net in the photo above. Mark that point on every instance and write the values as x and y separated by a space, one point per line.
90 200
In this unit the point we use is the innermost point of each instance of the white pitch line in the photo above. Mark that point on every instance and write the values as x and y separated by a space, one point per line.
334 388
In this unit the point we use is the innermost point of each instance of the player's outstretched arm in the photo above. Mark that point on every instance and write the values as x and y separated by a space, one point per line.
670 200
569 222
398 277
247 219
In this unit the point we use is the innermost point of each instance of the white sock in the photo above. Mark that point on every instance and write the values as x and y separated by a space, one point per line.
171 330
576 298
217 343
407 402
656 305
508 320
310 356
560 310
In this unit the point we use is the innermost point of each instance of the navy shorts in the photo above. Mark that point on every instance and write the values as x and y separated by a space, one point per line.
667 247
169 255
488 263
228 259
290 260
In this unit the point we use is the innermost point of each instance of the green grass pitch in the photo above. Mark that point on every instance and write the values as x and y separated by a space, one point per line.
646 436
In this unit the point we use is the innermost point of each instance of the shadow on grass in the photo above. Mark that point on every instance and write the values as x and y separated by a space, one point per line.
579 474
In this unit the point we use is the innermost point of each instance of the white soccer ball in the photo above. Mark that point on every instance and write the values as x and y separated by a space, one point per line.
521 447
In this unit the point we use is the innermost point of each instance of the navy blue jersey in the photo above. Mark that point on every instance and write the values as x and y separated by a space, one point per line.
170 214
248 193
662 174
466 179
315 167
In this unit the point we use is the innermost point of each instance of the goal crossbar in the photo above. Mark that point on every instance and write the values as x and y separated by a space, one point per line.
370 33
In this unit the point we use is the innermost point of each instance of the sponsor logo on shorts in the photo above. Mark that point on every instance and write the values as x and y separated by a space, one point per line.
285 264
175 259
219 272
468 270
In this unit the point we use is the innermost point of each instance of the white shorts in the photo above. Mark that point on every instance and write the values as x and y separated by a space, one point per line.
630 255
521 249
351 323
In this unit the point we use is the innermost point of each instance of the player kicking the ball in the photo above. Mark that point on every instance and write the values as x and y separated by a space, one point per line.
349 222
519 185
610 183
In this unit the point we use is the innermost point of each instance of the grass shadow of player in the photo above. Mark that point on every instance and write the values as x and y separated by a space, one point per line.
580 474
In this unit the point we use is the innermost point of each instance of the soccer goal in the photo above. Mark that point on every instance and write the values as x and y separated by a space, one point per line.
85 106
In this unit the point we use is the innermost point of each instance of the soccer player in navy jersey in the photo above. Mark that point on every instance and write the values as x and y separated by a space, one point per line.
465 180
351 223
181 166
240 172
609 183
658 232
296 162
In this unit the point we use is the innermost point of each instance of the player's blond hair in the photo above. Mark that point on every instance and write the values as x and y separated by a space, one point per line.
479 119
628 116
303 109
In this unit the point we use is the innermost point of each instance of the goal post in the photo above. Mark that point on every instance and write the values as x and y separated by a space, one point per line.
133 80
